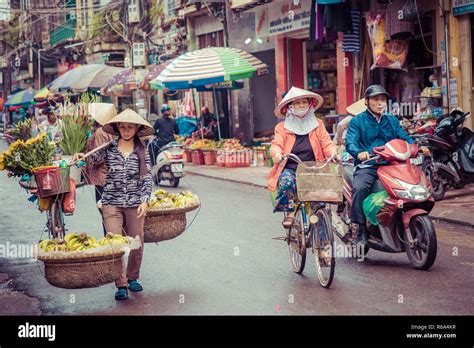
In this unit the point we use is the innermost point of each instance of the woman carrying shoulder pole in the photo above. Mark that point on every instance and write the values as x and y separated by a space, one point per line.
127 189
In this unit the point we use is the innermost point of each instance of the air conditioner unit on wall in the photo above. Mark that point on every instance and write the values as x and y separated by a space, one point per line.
139 54
133 11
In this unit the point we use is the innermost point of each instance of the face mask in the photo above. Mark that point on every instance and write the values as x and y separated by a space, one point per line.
299 113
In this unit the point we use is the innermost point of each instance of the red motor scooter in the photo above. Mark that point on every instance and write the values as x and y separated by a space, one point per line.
404 224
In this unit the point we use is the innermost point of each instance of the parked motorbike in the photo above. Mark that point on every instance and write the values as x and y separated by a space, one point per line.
419 126
451 163
404 224
169 163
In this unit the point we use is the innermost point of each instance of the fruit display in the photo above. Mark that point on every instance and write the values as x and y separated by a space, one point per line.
161 199
53 245
205 144
113 239
259 148
79 242
180 139
232 145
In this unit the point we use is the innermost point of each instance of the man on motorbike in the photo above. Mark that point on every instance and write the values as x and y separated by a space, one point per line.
371 128
165 130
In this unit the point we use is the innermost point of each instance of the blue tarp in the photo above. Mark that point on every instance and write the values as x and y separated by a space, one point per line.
187 125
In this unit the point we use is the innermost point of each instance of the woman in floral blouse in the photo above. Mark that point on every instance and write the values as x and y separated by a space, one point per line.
127 189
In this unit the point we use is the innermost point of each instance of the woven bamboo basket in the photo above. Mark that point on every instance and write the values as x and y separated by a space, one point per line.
161 225
87 271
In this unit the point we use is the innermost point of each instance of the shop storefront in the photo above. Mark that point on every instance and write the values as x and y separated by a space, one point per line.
402 51
318 44
463 16
416 85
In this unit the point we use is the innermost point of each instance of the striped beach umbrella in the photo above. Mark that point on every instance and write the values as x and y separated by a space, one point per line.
208 66
42 94
22 98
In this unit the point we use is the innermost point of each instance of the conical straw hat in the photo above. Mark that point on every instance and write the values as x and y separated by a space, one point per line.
102 112
129 116
357 107
293 94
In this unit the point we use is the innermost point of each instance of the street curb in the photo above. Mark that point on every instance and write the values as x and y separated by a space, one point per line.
452 221
229 180
435 218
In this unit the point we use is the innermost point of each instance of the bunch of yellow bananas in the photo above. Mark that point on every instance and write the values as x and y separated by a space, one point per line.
165 200
53 245
80 241
113 239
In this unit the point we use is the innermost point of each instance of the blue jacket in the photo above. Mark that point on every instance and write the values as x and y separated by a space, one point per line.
364 133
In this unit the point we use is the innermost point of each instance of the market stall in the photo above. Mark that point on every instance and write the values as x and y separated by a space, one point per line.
209 66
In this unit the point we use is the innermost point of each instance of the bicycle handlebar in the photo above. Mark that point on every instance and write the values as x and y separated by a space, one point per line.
299 161
370 159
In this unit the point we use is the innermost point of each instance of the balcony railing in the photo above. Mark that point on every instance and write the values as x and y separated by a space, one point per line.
64 32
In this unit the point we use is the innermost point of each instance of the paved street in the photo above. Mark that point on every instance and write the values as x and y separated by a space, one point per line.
227 263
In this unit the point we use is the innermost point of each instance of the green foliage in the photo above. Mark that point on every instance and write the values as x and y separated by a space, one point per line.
75 132
86 98
156 11
22 130
99 27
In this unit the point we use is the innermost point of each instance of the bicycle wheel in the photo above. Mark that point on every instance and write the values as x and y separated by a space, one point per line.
297 244
322 246
56 225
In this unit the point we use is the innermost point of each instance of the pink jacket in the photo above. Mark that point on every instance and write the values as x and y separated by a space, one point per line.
284 141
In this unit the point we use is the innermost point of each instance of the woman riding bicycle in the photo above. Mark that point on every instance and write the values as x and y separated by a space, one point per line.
302 134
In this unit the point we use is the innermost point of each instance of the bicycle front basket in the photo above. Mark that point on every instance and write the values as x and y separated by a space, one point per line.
316 184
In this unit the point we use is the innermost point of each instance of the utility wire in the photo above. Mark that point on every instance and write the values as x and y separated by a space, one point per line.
48 10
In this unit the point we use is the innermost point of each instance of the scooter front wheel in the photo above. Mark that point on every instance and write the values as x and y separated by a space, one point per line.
174 182
422 255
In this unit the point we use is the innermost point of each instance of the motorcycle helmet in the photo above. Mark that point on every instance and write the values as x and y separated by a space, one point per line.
375 90
165 107
444 128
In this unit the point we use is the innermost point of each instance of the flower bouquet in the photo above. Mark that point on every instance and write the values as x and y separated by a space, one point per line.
23 156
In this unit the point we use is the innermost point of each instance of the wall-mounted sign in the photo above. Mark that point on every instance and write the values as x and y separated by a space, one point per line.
285 16
462 7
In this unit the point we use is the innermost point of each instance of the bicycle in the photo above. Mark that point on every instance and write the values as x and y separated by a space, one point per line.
55 222
313 220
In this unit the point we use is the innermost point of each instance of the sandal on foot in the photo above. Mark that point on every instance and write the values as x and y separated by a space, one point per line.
134 285
121 294
288 222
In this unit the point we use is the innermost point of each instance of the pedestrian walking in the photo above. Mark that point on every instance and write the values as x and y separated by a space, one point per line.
127 189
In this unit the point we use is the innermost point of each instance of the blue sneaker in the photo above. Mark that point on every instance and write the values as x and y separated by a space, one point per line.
121 294
134 285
